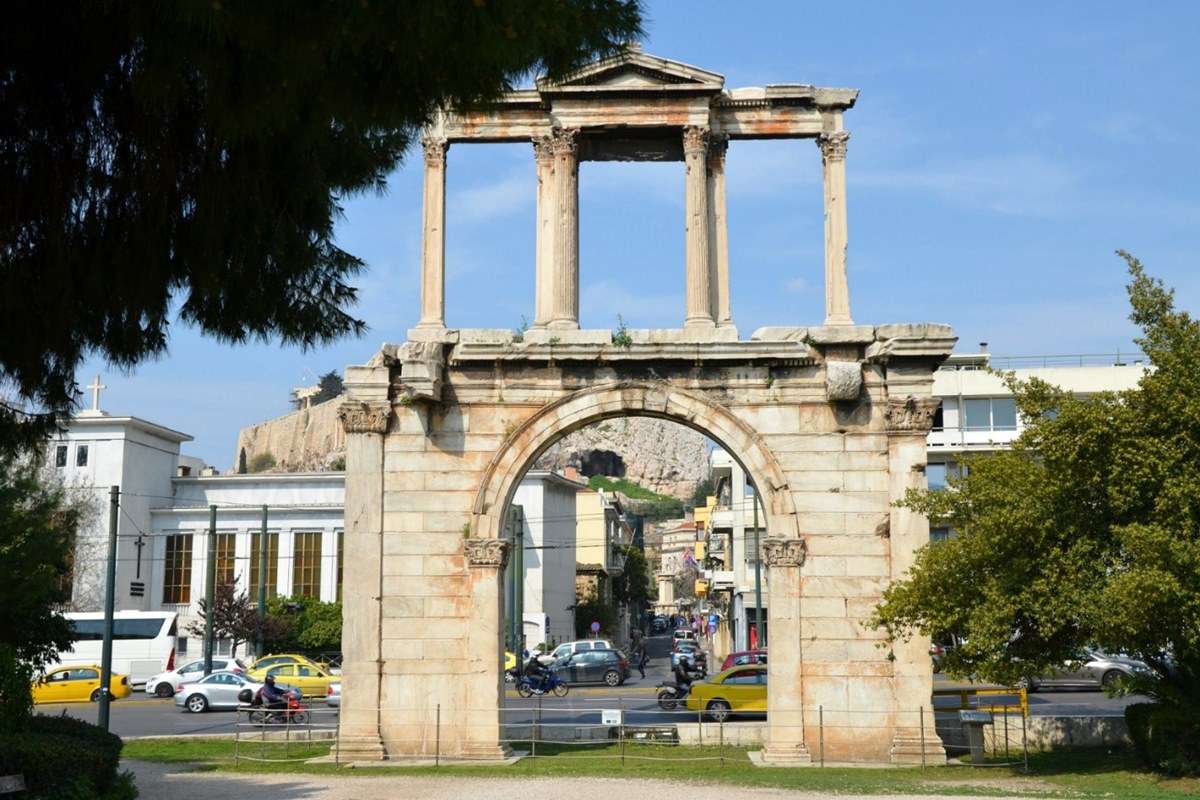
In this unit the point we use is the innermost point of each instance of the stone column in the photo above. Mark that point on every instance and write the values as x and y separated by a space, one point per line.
564 278
718 231
365 424
485 650
543 155
695 156
908 422
433 232
785 696
837 289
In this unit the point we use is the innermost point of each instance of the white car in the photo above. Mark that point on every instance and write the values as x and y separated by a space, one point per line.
333 695
218 691
166 683
571 648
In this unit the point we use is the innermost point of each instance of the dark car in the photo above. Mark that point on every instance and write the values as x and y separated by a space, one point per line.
594 666
743 657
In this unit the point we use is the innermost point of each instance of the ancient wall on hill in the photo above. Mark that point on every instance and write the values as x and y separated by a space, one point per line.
308 440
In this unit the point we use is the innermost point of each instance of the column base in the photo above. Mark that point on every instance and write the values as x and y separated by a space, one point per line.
699 322
786 755
843 319
907 748
360 748
562 325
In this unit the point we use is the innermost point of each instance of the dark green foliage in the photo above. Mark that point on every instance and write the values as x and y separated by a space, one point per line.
60 755
194 157
704 488
1087 532
651 505
38 522
331 388
1165 737
303 624
593 609
633 587
262 462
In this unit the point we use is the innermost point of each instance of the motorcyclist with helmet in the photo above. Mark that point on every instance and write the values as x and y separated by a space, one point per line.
536 672
272 696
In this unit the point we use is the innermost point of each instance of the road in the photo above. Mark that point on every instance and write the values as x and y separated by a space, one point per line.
140 715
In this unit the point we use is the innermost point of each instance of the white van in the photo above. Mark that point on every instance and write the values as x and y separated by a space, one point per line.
143 642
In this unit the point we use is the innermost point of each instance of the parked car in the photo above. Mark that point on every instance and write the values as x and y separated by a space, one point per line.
733 691
77 684
311 680
1092 669
610 667
579 646
285 658
218 691
743 657
333 695
164 684
693 651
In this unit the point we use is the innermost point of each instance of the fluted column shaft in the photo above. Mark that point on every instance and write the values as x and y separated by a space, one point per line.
699 299
564 279
547 223
837 288
433 236
718 232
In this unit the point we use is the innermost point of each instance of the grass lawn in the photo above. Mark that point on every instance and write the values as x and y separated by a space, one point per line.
1074 773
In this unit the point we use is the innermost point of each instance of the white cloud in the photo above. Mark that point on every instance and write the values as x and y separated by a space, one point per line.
511 194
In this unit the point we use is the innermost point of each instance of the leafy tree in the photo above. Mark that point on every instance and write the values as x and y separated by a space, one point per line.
234 616
704 488
331 388
305 624
195 157
633 587
262 462
38 525
1086 532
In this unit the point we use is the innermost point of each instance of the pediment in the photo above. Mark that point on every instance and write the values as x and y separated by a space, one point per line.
634 70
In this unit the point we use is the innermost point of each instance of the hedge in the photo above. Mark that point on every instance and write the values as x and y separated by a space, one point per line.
61 756
1165 738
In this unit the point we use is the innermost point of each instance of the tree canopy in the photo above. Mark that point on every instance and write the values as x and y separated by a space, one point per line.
1086 532
191 159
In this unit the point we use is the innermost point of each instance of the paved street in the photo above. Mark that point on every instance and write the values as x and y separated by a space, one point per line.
142 716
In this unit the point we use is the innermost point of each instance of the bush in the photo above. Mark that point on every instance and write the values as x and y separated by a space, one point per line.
262 462
1165 737
62 757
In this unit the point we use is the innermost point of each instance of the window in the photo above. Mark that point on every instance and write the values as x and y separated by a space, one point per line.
224 547
990 414
306 565
81 453
935 474
340 550
939 534
83 675
1004 414
177 569
272 563
84 630
60 456
939 419
181 646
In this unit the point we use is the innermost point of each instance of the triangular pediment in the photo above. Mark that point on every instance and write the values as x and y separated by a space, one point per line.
634 70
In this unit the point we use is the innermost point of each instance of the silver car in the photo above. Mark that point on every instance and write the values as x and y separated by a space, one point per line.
218 691
333 695
1093 669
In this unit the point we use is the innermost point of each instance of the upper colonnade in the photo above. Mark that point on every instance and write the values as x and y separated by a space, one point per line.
637 107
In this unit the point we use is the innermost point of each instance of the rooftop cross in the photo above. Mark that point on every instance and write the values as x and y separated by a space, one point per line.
96 386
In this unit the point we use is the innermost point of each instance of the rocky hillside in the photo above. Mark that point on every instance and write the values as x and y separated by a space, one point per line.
308 440
661 456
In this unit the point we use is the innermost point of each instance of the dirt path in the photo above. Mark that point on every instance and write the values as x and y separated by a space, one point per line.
179 782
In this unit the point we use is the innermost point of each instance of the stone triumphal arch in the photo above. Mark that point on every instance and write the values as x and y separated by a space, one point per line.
828 419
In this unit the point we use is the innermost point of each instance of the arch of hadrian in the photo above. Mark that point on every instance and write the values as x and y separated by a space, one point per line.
829 420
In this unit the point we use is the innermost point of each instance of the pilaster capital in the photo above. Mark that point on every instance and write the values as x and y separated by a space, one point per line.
435 150
358 416
910 414
780 552
564 141
543 149
486 553
833 145
695 140
718 146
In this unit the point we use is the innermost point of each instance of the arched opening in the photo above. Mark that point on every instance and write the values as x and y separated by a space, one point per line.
703 561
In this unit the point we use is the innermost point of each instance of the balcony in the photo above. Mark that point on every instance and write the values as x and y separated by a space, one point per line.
970 438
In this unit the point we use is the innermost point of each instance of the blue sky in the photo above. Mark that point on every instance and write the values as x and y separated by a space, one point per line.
997 159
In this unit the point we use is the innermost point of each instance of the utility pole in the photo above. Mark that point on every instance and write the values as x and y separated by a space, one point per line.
260 646
110 587
762 636
210 589
518 559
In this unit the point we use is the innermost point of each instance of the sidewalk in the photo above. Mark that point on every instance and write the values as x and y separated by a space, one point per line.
180 782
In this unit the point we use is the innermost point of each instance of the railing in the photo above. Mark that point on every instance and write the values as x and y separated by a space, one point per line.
1117 359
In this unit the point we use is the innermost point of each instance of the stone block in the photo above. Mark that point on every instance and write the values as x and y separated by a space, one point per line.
824 565
868 566
770 419
446 522
408 628
872 481
418 542
808 443
841 587
403 606
428 501
448 607
816 481
841 334
545 336
778 333
814 607
422 585
486 336
843 380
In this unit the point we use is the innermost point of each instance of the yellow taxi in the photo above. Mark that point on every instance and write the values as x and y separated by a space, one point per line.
736 690
310 679
77 684
285 658
510 660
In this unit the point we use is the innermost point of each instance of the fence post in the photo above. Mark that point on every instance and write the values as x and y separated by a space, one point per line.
1006 707
821 730
621 728
537 725
1025 743
437 738
721 745
700 726
237 731
922 737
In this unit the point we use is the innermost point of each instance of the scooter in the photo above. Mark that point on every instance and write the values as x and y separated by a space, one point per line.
296 712
671 694
528 687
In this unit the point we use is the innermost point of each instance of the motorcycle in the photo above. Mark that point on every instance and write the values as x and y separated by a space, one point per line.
528 687
671 694
296 712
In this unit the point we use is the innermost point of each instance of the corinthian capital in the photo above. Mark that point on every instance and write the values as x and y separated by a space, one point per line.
718 146
780 552
543 149
564 141
486 552
910 414
435 150
357 416
833 145
695 139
